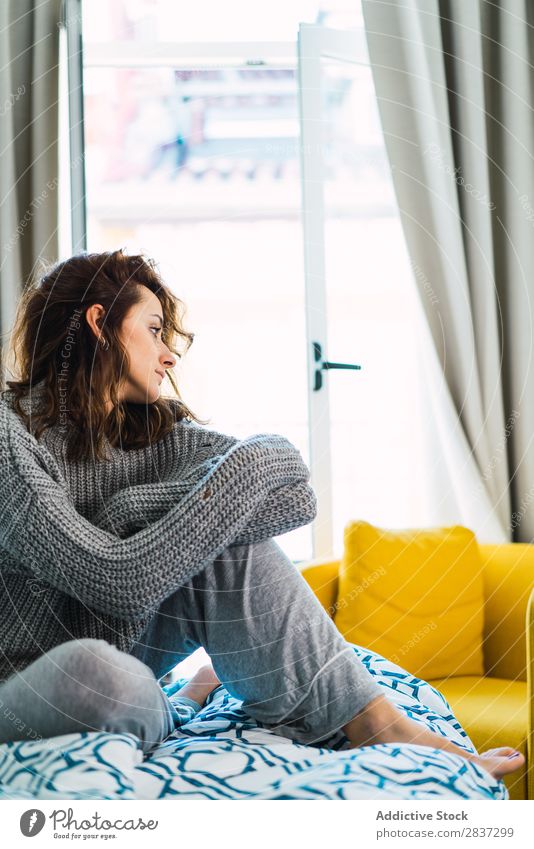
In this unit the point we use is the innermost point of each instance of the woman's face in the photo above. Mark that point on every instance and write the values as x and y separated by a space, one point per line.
149 355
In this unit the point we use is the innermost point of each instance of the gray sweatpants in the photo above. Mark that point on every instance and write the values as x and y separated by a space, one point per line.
270 642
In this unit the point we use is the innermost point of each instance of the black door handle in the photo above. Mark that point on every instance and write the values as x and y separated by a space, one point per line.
325 365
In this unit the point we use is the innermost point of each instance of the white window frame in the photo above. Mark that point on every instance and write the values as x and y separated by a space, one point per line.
191 54
316 43
71 19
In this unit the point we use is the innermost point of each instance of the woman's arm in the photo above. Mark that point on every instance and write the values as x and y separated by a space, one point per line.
129 578
282 510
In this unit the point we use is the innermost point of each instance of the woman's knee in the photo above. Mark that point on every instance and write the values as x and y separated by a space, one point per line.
249 566
96 672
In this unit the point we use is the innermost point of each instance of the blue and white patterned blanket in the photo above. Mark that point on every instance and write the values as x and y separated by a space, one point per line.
224 754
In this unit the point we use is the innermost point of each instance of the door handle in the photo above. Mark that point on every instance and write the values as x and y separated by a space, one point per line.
325 365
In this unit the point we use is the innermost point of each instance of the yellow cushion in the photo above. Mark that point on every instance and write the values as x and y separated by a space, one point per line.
494 713
508 583
415 596
322 577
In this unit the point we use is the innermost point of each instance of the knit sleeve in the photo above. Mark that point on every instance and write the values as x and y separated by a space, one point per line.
282 510
129 578
202 443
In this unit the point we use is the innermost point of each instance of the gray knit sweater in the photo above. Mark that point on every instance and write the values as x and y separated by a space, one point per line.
92 548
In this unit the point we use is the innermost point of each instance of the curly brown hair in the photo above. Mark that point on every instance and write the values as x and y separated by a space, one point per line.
52 343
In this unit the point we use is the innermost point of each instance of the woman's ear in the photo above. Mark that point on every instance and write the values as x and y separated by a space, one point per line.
94 316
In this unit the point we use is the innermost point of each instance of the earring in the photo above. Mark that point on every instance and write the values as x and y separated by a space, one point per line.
104 343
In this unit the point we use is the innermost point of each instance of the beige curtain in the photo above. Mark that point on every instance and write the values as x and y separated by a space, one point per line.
455 88
29 54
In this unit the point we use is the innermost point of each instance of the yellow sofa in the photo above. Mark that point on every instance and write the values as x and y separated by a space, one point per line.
496 709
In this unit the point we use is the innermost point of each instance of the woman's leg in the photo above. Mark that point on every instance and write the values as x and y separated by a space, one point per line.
84 685
381 722
273 646
269 639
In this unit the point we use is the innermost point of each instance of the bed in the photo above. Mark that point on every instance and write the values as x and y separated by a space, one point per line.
225 754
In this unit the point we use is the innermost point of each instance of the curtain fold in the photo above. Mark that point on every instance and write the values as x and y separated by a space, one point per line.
29 58
454 83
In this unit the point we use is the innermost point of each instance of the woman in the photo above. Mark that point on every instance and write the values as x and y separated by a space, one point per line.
131 535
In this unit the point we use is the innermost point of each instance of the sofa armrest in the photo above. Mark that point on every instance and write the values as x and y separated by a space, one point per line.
322 577
508 572
530 690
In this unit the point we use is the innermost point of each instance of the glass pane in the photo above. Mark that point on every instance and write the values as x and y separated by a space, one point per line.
377 439
200 170
146 21
204 20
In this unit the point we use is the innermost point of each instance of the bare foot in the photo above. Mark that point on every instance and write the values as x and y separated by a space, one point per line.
206 675
500 762
203 682
381 722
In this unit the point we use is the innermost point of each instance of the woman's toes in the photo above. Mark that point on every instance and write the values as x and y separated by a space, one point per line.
503 751
502 761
